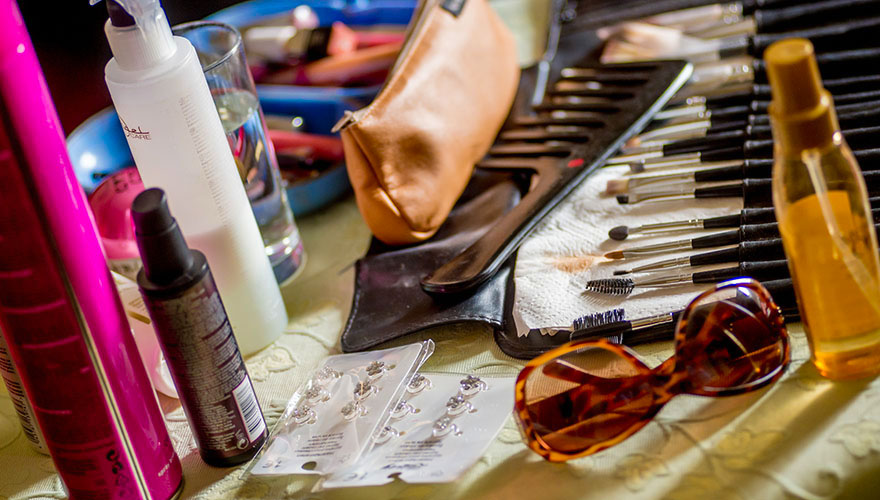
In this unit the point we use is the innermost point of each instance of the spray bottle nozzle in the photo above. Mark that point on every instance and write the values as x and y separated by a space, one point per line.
119 17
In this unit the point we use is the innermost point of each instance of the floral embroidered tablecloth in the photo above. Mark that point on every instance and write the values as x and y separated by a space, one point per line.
803 437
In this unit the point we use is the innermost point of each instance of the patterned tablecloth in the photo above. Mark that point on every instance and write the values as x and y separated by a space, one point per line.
803 437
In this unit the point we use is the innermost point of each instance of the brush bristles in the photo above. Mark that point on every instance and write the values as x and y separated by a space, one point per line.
613 286
599 319
617 254
636 167
623 199
618 233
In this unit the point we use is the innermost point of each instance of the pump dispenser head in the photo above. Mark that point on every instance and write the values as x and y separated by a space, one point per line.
139 34
801 109
163 250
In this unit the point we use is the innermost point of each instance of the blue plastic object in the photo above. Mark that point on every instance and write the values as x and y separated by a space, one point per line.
98 147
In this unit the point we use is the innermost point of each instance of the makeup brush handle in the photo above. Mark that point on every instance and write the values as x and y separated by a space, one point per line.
725 124
759 106
769 249
757 168
769 20
717 240
715 141
782 291
740 97
751 216
833 65
766 270
729 153
724 191
729 112
832 37
716 257
757 232
723 221
749 6
760 148
732 173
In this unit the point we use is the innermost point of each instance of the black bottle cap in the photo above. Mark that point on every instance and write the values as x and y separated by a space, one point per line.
118 15
163 250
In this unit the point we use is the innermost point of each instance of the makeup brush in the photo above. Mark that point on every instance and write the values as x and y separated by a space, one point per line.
733 145
768 270
583 322
746 232
745 251
863 112
662 326
636 42
723 171
746 216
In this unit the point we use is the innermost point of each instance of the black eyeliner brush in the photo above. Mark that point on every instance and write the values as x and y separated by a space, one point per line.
746 216
764 270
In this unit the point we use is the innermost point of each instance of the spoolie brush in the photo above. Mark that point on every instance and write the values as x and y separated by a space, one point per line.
611 286
587 321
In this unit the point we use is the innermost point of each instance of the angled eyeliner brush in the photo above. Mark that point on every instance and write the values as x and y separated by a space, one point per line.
746 216
765 270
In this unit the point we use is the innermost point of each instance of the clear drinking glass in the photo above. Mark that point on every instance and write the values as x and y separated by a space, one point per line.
221 54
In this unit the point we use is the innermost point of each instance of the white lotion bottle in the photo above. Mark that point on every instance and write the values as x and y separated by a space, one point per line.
178 144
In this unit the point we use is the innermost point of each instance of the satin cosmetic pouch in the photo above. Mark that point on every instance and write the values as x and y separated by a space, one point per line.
410 153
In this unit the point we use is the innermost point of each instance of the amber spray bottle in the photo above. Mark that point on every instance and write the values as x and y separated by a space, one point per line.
824 218
196 337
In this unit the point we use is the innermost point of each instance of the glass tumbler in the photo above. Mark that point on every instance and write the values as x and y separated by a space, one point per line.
221 54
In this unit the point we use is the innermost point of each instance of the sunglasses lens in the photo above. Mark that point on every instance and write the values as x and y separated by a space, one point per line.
587 397
731 339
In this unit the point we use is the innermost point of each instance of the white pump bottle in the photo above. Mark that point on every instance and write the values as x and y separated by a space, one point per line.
178 144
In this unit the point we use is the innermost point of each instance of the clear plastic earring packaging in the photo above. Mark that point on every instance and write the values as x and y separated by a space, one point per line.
435 435
330 422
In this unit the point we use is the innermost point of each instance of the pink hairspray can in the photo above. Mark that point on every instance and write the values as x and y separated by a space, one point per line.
62 320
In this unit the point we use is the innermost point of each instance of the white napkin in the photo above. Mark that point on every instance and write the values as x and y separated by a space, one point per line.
566 250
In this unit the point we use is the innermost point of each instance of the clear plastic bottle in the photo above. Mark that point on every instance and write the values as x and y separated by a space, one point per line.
178 144
824 218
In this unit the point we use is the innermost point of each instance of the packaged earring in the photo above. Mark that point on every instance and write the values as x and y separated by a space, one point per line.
331 421
455 422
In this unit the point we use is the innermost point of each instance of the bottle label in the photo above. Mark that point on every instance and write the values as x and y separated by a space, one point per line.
208 370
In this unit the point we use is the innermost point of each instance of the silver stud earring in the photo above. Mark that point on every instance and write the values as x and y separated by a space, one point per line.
403 409
386 434
418 384
316 394
443 427
353 410
364 389
376 369
457 405
303 414
471 385
327 373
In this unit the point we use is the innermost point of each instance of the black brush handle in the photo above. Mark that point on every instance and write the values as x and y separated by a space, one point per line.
758 215
783 19
732 153
759 107
760 148
757 193
709 142
832 65
732 173
724 124
782 291
759 270
723 221
730 112
725 191
757 232
740 97
715 257
832 37
749 6
769 249
717 240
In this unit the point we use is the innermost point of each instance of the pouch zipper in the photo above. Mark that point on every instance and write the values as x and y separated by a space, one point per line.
421 14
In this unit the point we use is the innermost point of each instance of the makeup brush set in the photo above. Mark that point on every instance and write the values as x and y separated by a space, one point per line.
696 182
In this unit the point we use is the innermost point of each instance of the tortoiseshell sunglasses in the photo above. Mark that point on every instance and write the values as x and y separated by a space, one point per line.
586 396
